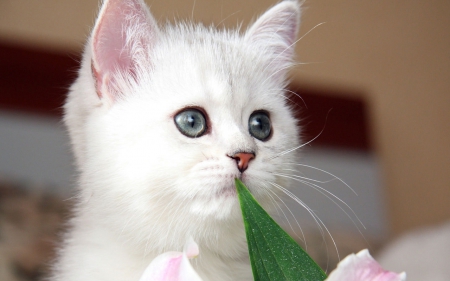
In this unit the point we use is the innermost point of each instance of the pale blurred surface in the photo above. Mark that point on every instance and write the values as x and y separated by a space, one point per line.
423 254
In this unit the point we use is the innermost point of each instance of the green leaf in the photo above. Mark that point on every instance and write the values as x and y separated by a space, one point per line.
274 255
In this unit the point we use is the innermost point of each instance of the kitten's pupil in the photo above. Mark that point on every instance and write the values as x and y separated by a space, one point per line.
191 123
259 125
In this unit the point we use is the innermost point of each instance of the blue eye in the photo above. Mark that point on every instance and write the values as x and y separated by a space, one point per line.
259 125
191 123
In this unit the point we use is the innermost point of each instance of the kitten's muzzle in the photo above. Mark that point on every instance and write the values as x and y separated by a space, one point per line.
243 159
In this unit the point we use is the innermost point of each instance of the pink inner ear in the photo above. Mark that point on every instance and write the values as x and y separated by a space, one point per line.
117 31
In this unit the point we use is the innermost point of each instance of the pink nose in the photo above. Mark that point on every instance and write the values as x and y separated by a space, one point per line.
242 160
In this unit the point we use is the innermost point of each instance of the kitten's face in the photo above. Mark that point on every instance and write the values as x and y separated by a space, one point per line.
160 139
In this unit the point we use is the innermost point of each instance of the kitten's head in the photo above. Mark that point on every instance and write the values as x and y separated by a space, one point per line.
163 120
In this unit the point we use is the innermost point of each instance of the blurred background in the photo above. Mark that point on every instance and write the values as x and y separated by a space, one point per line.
381 67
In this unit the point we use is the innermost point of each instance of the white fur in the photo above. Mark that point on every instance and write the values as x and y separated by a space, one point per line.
144 188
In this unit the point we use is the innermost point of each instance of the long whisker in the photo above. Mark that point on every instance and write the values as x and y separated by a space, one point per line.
193 8
316 218
288 66
325 193
217 25
279 70
304 144
303 204
274 202
309 179
316 26
292 101
297 95
328 173
303 239
297 147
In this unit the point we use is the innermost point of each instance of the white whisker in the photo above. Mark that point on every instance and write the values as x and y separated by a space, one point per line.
316 218
328 173
304 144
297 95
193 8
303 239
275 203
232 14
316 26
324 192
297 147
309 179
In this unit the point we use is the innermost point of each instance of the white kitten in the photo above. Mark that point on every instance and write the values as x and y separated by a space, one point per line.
162 120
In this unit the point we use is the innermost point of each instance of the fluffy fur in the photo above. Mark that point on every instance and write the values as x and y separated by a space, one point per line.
144 187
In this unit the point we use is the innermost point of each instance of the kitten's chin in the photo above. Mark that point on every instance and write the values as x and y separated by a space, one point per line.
222 206
228 192
214 192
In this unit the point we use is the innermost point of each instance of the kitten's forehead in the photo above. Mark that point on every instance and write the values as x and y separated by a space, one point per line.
218 70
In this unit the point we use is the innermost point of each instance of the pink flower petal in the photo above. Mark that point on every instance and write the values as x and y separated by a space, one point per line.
173 266
187 272
362 267
164 267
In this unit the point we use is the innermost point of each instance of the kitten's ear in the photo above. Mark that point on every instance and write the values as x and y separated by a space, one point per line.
276 31
123 33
